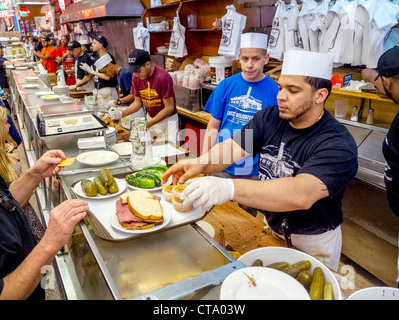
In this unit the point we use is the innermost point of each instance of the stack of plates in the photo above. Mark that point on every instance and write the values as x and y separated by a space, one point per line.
62 91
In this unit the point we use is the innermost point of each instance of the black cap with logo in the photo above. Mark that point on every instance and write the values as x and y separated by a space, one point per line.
136 59
73 45
388 64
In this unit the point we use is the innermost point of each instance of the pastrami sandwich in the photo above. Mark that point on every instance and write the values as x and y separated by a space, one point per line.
139 209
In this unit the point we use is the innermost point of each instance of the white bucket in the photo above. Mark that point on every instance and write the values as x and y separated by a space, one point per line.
221 68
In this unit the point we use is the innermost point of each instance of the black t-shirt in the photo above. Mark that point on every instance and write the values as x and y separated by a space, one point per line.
390 150
124 83
3 77
16 238
101 83
325 150
85 58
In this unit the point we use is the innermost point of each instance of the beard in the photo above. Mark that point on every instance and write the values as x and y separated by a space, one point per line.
299 112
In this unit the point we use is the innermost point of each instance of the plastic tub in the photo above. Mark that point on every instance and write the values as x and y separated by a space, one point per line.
179 206
177 190
271 255
221 68
167 193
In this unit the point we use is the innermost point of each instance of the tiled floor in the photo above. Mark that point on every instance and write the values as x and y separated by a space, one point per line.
350 276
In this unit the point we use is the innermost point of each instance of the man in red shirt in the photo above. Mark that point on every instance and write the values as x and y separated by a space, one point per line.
62 49
47 55
66 59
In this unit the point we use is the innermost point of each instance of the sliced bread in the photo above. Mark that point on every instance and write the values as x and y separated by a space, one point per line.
135 193
145 208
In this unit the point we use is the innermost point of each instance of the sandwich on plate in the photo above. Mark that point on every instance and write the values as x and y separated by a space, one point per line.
139 209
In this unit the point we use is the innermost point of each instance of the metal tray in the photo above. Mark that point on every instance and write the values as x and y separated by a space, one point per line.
100 211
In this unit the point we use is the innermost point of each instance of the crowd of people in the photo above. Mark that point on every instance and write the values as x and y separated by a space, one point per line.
289 158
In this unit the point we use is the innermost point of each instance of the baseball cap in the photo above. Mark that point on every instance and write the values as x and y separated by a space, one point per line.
102 40
388 63
136 59
46 38
73 44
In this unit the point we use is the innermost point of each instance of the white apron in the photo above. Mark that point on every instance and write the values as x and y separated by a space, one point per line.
325 247
166 130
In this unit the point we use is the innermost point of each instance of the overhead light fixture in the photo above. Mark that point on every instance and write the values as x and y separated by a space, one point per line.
32 2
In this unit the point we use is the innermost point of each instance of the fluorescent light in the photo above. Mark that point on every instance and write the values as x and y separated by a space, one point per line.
33 2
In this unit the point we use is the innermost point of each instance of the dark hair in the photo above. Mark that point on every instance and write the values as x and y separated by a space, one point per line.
318 83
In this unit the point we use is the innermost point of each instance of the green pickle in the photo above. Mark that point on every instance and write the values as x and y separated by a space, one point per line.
101 188
107 176
305 278
89 187
257 263
316 291
279 265
294 269
113 188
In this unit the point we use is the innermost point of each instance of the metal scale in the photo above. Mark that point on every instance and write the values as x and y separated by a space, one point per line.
67 118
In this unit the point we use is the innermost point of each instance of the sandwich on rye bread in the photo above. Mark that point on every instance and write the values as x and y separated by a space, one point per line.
139 209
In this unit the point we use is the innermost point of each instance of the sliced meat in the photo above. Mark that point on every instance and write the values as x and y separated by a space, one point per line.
126 217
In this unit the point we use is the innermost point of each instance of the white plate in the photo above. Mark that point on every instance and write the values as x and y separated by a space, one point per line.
31 86
261 283
376 293
168 182
121 188
113 219
31 79
97 158
44 93
52 97
124 148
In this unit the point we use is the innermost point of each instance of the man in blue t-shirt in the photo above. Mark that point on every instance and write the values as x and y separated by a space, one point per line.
306 160
236 100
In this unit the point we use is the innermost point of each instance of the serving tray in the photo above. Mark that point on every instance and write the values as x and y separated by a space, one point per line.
100 210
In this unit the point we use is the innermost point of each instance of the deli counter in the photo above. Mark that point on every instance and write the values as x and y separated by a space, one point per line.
92 266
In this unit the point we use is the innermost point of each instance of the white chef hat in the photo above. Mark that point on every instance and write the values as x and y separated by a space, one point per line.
253 40
306 63
103 61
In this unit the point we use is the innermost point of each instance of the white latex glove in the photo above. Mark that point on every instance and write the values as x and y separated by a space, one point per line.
206 192
86 67
115 113
110 104
73 87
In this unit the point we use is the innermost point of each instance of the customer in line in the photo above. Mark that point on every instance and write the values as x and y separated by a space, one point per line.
22 258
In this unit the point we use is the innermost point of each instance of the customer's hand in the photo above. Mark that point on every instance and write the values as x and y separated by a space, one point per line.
63 219
46 165
115 113
206 192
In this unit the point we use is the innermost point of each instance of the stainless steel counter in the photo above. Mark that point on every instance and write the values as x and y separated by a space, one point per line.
173 264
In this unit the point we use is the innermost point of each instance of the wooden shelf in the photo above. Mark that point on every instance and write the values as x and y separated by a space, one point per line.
361 95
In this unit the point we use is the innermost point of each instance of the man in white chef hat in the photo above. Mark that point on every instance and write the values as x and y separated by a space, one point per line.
306 160
235 101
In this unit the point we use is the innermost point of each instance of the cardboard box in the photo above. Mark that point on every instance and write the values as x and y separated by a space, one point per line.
340 80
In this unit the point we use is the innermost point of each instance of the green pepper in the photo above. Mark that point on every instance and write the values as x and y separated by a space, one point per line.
132 180
156 179
145 183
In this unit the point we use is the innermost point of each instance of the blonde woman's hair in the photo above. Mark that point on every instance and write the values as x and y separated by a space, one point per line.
6 166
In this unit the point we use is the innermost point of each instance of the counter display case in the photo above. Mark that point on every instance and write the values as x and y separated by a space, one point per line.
182 262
